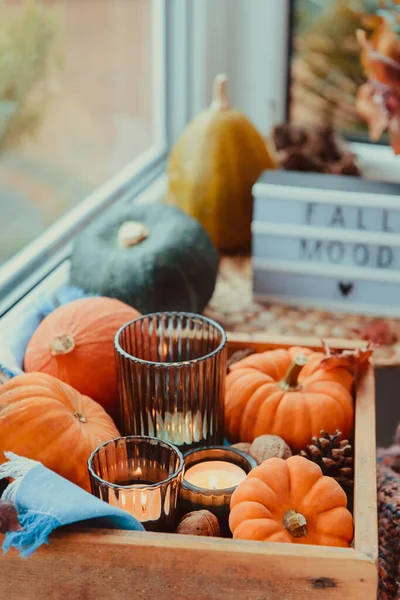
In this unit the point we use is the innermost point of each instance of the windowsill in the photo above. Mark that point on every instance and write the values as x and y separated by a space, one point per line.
378 163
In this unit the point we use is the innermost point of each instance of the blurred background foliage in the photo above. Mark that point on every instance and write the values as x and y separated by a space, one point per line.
325 69
30 57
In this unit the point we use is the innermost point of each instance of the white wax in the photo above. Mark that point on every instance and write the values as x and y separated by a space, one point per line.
215 475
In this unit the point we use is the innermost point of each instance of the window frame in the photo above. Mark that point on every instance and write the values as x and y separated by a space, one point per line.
170 38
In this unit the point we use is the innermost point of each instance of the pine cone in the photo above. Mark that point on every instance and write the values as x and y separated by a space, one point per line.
345 166
297 159
287 135
335 457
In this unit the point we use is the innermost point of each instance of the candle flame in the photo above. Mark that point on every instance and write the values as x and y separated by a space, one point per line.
213 482
138 472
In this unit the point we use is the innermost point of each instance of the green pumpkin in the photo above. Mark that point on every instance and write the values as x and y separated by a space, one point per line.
153 257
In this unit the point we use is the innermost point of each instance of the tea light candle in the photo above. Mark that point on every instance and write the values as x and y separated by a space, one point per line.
142 475
215 475
145 505
212 475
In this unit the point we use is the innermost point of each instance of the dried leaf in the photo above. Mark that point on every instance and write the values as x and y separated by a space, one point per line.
380 55
372 109
378 100
377 332
346 358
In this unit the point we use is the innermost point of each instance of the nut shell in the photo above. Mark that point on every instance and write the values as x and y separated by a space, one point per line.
269 446
8 517
243 446
199 522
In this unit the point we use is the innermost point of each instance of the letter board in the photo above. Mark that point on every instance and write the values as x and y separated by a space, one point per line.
327 241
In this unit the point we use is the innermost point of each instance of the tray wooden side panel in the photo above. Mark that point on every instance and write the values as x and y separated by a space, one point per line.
261 343
124 565
365 501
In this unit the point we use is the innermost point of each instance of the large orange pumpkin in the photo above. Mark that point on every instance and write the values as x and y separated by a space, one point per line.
287 393
291 501
47 420
75 343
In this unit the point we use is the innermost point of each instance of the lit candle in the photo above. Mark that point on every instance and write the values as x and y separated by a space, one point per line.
145 503
215 475
212 475
142 475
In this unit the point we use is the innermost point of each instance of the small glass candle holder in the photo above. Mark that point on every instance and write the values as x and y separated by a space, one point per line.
171 371
211 477
141 475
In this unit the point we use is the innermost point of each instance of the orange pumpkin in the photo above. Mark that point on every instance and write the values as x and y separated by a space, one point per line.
291 501
287 393
75 343
47 420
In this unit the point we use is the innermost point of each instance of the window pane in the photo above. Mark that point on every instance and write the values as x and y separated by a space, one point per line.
76 105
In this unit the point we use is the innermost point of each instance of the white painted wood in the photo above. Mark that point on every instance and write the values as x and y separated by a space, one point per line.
378 162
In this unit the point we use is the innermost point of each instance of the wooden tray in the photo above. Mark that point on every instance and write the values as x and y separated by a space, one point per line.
119 565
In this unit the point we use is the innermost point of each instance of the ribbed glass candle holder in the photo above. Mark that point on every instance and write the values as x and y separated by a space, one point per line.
171 371
141 475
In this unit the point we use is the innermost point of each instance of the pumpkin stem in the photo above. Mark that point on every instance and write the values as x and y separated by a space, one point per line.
132 233
290 381
220 96
80 417
62 344
295 523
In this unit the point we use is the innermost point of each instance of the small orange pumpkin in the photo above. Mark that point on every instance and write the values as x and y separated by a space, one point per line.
287 393
75 343
47 420
291 501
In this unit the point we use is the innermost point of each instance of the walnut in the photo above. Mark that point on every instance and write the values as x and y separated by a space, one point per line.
199 522
269 446
8 517
243 446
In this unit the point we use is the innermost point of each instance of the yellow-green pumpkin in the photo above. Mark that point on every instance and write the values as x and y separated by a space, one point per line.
213 167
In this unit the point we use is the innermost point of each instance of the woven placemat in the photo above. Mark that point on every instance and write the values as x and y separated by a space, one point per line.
233 307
